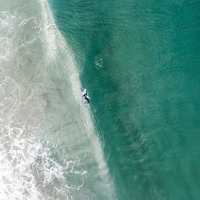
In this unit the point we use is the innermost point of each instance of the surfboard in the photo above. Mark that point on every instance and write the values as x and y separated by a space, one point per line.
85 92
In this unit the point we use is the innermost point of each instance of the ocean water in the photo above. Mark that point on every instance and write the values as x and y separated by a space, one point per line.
138 139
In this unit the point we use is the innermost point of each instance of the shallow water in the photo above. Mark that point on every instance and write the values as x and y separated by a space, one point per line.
138 138
49 149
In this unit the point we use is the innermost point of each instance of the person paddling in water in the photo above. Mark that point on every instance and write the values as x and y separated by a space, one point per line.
85 97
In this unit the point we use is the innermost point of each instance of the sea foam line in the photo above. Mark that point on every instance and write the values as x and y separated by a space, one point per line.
26 170
53 38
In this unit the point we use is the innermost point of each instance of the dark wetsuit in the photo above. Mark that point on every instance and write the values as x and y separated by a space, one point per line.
86 98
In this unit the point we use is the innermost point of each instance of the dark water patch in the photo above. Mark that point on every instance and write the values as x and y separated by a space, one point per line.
140 63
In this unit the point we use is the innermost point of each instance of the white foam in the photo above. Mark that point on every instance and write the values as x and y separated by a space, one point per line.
27 170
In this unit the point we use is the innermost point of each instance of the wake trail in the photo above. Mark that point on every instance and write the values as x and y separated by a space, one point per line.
56 43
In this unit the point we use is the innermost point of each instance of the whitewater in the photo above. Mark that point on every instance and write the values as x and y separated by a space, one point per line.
49 147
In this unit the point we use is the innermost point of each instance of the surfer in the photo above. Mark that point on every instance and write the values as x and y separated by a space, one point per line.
85 97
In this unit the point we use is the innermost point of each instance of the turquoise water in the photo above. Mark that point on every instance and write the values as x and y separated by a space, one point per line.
138 138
